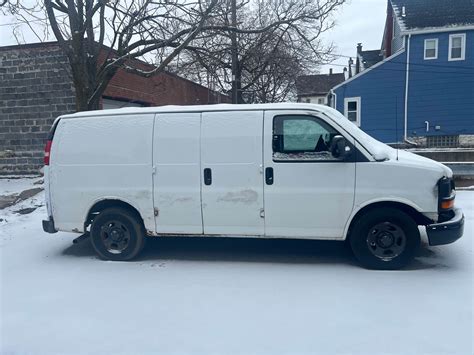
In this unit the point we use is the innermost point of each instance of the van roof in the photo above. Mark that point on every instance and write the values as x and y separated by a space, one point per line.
199 108
377 149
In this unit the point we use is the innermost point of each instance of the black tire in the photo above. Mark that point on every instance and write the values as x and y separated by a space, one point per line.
117 234
385 239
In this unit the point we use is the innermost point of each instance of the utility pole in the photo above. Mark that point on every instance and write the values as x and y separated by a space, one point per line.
234 54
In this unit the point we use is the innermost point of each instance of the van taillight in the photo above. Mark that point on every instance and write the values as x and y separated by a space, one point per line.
47 151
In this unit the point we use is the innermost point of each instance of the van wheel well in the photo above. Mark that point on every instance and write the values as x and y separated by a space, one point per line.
418 217
102 205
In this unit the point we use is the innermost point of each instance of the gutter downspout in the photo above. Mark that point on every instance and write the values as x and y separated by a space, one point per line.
407 79
334 100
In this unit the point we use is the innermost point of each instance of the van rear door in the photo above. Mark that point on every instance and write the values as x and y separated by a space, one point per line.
231 172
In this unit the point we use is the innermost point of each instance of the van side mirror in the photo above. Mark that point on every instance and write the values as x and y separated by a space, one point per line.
340 148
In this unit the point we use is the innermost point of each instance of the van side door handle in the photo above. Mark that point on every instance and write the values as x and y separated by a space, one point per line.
269 176
207 176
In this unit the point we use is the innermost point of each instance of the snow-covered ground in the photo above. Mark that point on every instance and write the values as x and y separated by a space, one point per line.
228 296
17 184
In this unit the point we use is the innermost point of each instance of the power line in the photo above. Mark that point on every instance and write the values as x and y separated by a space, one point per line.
411 70
20 23
411 63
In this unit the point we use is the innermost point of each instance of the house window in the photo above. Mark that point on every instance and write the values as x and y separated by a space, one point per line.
431 48
352 109
457 47
321 101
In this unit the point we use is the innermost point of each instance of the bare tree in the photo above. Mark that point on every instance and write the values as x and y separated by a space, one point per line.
268 61
271 76
101 36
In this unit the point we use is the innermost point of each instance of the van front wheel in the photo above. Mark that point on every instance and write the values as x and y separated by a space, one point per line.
385 239
117 234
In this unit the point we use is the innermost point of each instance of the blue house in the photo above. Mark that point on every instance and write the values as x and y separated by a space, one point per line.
423 89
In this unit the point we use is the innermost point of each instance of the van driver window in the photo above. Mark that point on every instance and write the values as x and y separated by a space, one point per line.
302 138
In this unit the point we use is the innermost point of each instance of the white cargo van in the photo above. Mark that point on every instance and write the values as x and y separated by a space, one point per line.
265 171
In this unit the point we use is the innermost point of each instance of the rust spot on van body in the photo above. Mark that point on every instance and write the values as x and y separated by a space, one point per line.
247 197
183 199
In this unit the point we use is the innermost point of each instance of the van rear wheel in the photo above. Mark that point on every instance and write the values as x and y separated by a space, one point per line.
117 234
385 239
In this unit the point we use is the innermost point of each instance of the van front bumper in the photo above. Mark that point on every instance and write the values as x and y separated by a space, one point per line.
48 225
446 232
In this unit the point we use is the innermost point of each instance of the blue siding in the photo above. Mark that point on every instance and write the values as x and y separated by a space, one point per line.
382 92
441 92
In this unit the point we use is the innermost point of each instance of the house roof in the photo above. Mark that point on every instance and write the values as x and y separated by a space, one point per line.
317 84
422 14
370 58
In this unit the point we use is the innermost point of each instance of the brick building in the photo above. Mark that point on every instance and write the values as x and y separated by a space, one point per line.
36 87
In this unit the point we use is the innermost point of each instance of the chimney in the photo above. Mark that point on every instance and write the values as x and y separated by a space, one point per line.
359 52
345 73
330 71
350 67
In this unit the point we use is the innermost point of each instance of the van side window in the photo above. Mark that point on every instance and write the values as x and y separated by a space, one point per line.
302 138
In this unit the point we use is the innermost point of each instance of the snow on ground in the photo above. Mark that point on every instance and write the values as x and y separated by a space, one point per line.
17 184
228 296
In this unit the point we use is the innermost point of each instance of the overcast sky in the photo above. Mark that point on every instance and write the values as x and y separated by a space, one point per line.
357 21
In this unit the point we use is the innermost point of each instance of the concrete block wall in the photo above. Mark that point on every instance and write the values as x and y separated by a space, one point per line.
35 88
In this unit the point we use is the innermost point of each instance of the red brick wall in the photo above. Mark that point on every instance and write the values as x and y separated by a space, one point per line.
160 89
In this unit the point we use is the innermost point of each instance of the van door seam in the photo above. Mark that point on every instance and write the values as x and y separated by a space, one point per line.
200 171
153 175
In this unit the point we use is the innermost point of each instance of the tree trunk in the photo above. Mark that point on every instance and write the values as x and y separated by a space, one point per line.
88 86
82 100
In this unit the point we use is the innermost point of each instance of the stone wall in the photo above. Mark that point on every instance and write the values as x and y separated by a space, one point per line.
35 88
466 141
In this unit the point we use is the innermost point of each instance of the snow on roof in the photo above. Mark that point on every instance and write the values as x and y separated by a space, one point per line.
430 14
200 108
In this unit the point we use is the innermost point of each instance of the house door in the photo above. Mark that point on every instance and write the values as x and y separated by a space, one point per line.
231 172
308 192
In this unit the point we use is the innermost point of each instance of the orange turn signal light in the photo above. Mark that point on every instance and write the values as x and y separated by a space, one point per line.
445 205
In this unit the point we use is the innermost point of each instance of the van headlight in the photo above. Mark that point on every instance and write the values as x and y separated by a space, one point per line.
446 197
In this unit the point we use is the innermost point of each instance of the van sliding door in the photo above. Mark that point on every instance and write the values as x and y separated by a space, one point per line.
231 172
177 177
